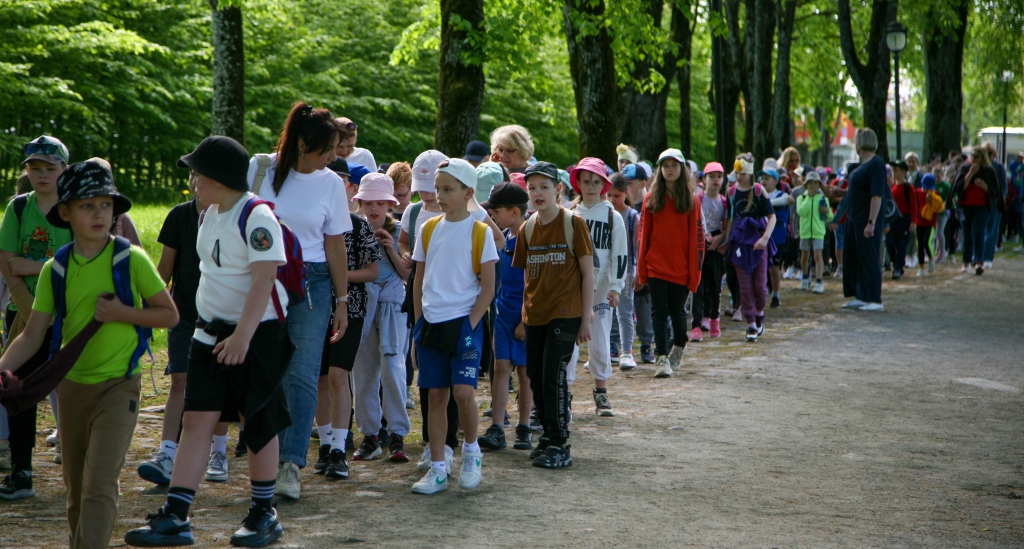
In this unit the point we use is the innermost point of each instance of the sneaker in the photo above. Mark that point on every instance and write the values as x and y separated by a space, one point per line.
920 272
603 405
368 450
396 450
470 476
259 529
662 368
627 362
424 462
931 265
488 412
17 485
696 334
542 445
776 302
410 402
157 469
759 322
383 438
805 284
217 470
979 270
508 420
788 274
819 288
798 275
615 354
854 304
162 529
493 439
337 465
964 268
321 461
646 354
58 459
535 425
839 273
555 457
987 265
897 274
52 439
431 483
425 459
675 356
715 330
5 455
240 449
288 483
873 307
752 334
524 437
737 316
705 324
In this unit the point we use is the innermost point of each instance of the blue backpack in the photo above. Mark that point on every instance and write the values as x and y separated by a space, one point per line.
122 288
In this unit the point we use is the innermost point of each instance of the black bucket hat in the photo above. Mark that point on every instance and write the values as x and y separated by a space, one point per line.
222 159
86 180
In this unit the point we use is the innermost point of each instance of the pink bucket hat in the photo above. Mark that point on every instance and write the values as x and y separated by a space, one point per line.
592 165
377 186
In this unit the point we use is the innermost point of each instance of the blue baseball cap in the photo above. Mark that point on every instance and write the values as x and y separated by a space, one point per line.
356 172
770 173
636 171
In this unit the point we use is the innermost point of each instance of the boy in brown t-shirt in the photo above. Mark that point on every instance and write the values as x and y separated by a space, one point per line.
557 307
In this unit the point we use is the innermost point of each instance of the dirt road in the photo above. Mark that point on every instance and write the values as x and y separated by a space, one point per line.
838 429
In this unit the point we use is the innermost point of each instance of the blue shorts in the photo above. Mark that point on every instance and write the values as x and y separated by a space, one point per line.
179 341
439 368
840 238
506 346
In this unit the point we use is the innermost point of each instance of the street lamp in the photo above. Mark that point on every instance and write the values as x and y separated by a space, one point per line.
1007 78
896 39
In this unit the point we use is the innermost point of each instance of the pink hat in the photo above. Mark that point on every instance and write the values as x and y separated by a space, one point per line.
518 179
592 165
377 186
713 167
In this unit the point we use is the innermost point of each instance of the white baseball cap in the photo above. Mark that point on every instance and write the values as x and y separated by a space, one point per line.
424 168
463 171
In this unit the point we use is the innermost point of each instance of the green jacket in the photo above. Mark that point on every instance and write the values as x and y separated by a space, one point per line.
812 221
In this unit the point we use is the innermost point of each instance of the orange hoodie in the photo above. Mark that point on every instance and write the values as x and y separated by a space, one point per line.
671 244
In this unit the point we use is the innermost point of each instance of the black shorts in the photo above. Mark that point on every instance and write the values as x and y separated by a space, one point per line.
343 353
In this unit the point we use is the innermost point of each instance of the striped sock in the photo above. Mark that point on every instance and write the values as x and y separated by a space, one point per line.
179 500
263 492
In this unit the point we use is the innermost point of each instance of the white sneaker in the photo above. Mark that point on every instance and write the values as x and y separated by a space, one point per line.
426 462
288 484
931 265
52 439
431 483
873 307
805 284
798 275
839 273
819 288
470 476
854 304
987 265
158 469
627 362
217 470
964 269
920 272
789 273
675 357
662 368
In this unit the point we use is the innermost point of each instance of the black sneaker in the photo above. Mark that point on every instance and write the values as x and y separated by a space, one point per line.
752 334
396 450
493 439
337 465
321 462
759 322
369 449
17 485
524 438
555 457
896 275
162 529
383 438
776 302
542 445
488 412
508 420
240 449
259 529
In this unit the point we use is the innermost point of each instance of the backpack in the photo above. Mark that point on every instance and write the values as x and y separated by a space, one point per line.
291 275
758 192
413 215
263 161
567 226
20 202
122 288
480 230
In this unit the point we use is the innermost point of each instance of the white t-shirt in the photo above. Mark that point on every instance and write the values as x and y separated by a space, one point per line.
311 204
362 156
450 287
424 215
224 259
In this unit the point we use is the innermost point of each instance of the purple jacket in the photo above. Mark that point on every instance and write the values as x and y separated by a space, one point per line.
745 233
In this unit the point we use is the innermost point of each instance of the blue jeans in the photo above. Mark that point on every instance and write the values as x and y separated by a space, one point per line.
306 327
976 220
992 234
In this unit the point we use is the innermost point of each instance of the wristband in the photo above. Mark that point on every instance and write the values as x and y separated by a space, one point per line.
343 299
871 222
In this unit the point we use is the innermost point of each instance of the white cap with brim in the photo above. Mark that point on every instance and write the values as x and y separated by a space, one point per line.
423 170
465 173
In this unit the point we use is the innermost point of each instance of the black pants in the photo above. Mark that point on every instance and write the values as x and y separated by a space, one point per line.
548 352
896 242
708 298
23 424
923 236
667 302
862 273
952 229
732 283
451 438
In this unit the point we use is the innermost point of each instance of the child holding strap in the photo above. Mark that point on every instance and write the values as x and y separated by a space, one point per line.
815 215
708 299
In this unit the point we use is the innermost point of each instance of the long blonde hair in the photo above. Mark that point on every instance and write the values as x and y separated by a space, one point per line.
679 190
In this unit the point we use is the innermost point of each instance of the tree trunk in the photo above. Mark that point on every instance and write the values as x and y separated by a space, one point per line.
592 64
228 73
682 34
733 69
747 74
460 90
943 69
643 113
872 77
781 136
761 84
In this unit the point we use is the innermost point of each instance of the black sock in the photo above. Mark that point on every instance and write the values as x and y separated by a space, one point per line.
599 391
179 500
818 281
263 492
759 320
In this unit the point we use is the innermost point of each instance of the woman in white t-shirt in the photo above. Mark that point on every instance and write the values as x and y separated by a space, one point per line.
311 201
347 149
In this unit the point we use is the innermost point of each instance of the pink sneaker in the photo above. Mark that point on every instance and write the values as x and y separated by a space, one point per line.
705 324
696 335
716 330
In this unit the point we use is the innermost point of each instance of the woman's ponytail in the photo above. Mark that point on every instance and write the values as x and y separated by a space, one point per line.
314 127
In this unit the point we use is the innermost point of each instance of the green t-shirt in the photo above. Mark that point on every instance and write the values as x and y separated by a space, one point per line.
35 238
108 353
943 189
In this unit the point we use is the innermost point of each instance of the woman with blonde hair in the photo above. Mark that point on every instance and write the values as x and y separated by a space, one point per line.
512 147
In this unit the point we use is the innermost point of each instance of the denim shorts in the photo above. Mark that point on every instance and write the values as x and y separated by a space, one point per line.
179 340
439 368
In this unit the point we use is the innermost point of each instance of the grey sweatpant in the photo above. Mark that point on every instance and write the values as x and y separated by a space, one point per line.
622 320
375 370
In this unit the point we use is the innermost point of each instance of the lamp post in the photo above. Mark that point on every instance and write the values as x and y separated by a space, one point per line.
1007 78
896 39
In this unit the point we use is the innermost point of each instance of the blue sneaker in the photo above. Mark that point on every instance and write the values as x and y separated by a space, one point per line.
259 529
646 354
162 529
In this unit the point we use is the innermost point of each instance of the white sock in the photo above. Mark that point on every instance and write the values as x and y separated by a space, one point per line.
467 447
220 444
325 433
338 442
169 447
439 465
752 325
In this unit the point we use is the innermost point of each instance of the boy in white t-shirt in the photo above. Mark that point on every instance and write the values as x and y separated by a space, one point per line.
452 291
240 349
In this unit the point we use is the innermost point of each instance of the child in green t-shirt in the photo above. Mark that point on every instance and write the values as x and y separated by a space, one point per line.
99 397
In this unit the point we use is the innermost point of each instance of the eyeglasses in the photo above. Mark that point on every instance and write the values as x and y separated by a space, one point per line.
44 148
503 151
350 126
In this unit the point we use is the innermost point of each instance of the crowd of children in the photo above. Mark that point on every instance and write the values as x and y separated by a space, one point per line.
308 289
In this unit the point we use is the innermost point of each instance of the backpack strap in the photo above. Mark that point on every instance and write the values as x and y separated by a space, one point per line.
428 230
413 216
480 230
20 202
263 162
567 228
121 270
58 282
243 220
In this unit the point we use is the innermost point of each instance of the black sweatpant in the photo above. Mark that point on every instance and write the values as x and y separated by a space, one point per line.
896 242
862 273
668 300
733 283
22 425
923 236
549 349
707 300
